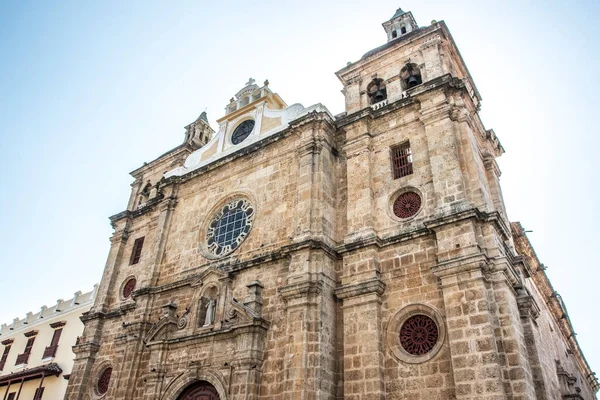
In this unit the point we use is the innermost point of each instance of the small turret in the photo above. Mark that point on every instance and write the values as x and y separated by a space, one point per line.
199 132
399 25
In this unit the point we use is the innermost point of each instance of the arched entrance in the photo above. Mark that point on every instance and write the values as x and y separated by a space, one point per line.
201 390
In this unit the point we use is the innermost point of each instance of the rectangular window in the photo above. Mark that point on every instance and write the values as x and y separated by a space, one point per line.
11 396
4 357
38 393
50 351
401 160
136 253
24 357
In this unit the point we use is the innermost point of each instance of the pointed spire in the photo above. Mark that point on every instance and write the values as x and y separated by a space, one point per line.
203 117
398 13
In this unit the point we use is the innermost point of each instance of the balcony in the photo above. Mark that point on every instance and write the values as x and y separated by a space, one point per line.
50 352
22 359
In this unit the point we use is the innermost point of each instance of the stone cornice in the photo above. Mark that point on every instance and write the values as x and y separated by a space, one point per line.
301 289
7 342
30 333
146 207
374 285
58 324
181 149
258 325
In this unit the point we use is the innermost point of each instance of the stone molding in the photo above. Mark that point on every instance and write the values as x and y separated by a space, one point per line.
375 285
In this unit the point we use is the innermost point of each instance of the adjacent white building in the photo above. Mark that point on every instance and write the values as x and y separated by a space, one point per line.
35 352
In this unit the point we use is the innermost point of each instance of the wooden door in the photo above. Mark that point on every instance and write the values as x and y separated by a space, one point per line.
200 391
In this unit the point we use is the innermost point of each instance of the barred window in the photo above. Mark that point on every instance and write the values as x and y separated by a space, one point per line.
401 160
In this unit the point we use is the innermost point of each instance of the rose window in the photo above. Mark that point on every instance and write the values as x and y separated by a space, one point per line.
104 380
129 288
418 335
229 227
407 205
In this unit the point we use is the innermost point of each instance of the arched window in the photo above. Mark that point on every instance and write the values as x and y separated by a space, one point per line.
403 30
394 34
145 194
411 76
376 91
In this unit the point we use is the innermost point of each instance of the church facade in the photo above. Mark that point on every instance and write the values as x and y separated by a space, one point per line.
294 254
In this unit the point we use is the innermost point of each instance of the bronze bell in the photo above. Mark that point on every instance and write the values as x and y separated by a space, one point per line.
413 81
379 95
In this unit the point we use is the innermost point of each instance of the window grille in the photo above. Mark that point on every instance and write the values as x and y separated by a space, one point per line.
401 160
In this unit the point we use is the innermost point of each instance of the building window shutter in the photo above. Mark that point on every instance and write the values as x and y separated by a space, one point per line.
136 253
38 393
401 160
50 351
24 357
4 357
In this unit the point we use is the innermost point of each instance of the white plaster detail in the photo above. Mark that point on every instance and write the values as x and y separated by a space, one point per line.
64 307
222 137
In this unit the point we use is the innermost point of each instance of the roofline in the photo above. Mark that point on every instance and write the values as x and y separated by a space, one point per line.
183 146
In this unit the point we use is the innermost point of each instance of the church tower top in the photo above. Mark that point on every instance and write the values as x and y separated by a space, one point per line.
400 24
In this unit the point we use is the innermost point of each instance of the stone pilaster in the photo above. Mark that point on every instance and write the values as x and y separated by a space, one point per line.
111 273
361 202
529 312
309 363
443 148
473 350
363 348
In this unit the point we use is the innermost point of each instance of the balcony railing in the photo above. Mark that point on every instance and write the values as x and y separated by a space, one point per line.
50 352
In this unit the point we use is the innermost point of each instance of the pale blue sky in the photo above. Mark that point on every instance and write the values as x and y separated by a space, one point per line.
91 90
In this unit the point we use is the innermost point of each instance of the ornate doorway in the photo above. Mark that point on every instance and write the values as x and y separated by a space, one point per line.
200 391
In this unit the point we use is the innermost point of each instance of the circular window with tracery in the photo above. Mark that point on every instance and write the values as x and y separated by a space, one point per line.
129 287
242 131
229 227
418 335
407 205
103 381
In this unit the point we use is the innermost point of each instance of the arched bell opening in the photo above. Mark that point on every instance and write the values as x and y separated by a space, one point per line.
411 76
376 91
200 390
